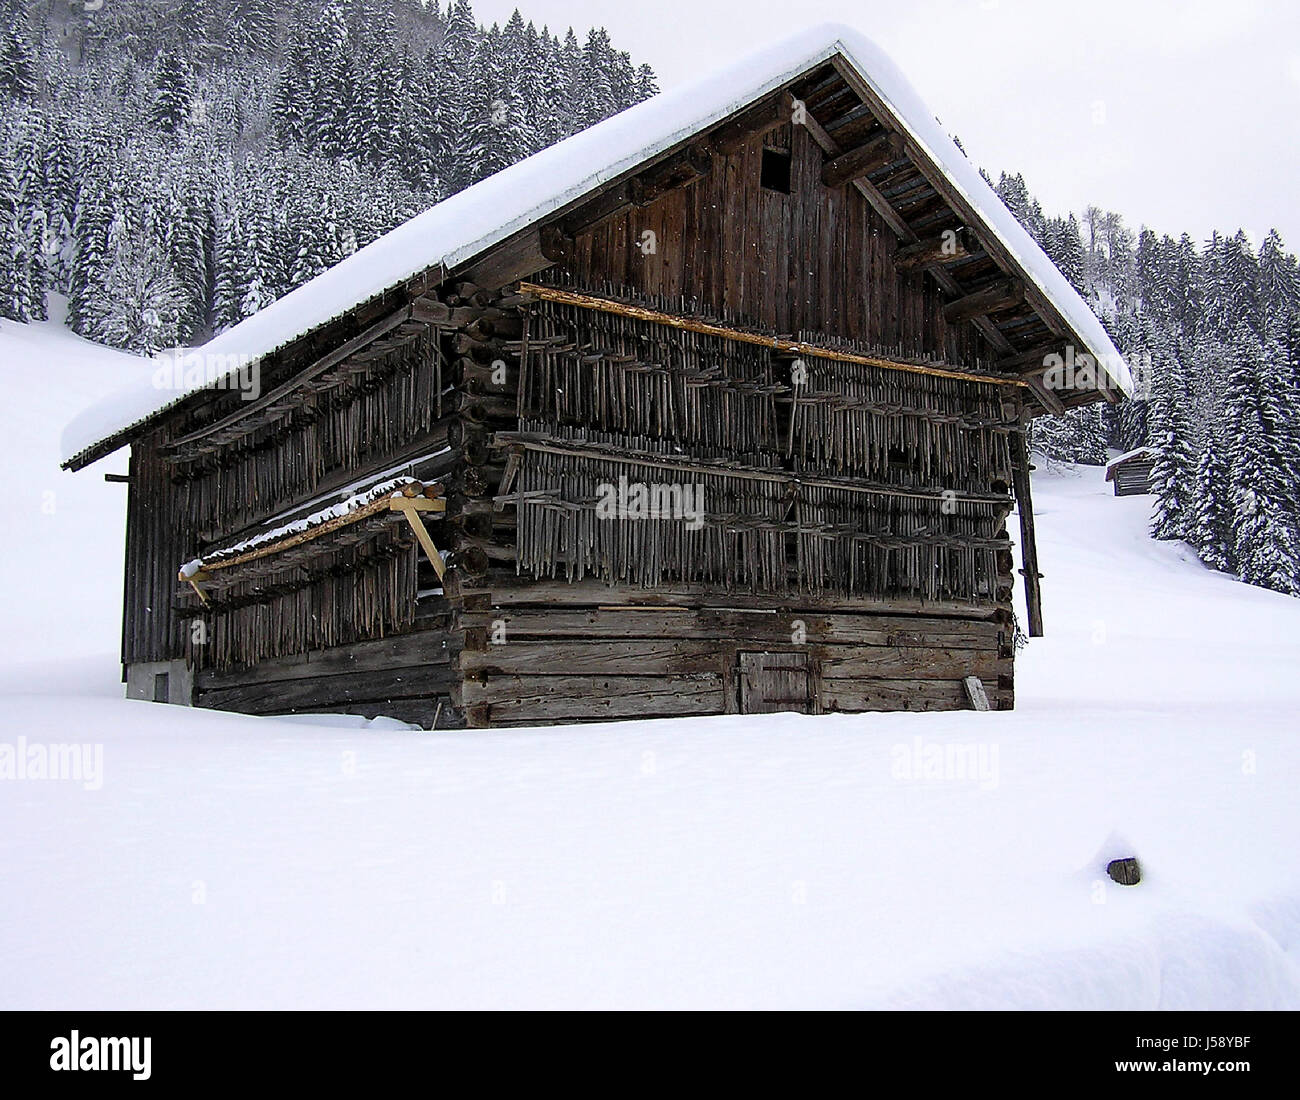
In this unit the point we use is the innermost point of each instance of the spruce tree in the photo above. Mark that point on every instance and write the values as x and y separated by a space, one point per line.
1266 546
1212 532
1173 478
172 92
18 62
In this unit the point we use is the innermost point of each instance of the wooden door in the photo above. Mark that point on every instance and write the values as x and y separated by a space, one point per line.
772 682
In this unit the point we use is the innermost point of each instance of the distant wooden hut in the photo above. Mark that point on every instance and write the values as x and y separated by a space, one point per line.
1130 473
717 407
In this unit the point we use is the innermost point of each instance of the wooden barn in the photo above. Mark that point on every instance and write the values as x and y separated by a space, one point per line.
1131 473
717 407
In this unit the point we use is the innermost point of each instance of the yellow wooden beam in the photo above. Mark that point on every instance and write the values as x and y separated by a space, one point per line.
792 347
411 507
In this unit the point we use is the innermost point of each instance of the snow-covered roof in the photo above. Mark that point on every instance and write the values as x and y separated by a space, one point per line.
472 221
347 507
1137 452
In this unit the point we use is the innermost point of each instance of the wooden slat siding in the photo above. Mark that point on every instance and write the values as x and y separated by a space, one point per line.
419 647
828 268
157 543
1132 478
414 682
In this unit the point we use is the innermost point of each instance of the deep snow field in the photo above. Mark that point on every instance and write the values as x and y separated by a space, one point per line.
220 861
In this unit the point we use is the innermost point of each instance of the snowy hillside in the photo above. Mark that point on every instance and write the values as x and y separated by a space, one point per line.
775 861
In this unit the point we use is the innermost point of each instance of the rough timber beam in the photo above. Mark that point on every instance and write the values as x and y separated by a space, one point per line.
557 246
766 115
1028 541
1030 360
863 160
1046 397
411 507
1004 294
691 164
948 247
776 343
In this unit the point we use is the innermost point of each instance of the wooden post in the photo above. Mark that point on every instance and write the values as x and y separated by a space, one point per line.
411 507
1028 543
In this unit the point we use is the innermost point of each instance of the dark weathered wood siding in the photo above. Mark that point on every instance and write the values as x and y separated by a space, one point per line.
856 556
816 260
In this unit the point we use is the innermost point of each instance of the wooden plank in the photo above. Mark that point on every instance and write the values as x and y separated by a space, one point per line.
555 625
1028 539
419 647
553 657
509 589
411 509
914 663
863 695
549 698
330 691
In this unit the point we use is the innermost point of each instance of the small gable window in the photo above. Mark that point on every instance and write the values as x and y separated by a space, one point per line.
776 171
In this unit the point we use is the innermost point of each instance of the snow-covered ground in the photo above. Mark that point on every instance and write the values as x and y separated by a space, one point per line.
210 860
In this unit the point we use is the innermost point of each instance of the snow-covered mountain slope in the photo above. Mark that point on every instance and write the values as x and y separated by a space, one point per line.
783 860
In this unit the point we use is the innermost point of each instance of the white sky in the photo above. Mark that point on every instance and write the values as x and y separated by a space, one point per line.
1179 114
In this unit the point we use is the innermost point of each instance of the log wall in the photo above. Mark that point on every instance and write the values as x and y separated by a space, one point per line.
854 554
535 664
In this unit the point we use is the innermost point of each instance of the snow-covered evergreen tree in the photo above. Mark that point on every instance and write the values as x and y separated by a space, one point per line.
1212 532
1174 474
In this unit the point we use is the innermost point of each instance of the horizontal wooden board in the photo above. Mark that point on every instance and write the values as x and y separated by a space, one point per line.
859 663
330 691
601 657
887 695
708 624
420 647
504 589
544 698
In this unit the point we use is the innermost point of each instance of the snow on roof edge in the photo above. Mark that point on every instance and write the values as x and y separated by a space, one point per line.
916 118
1153 451
472 221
